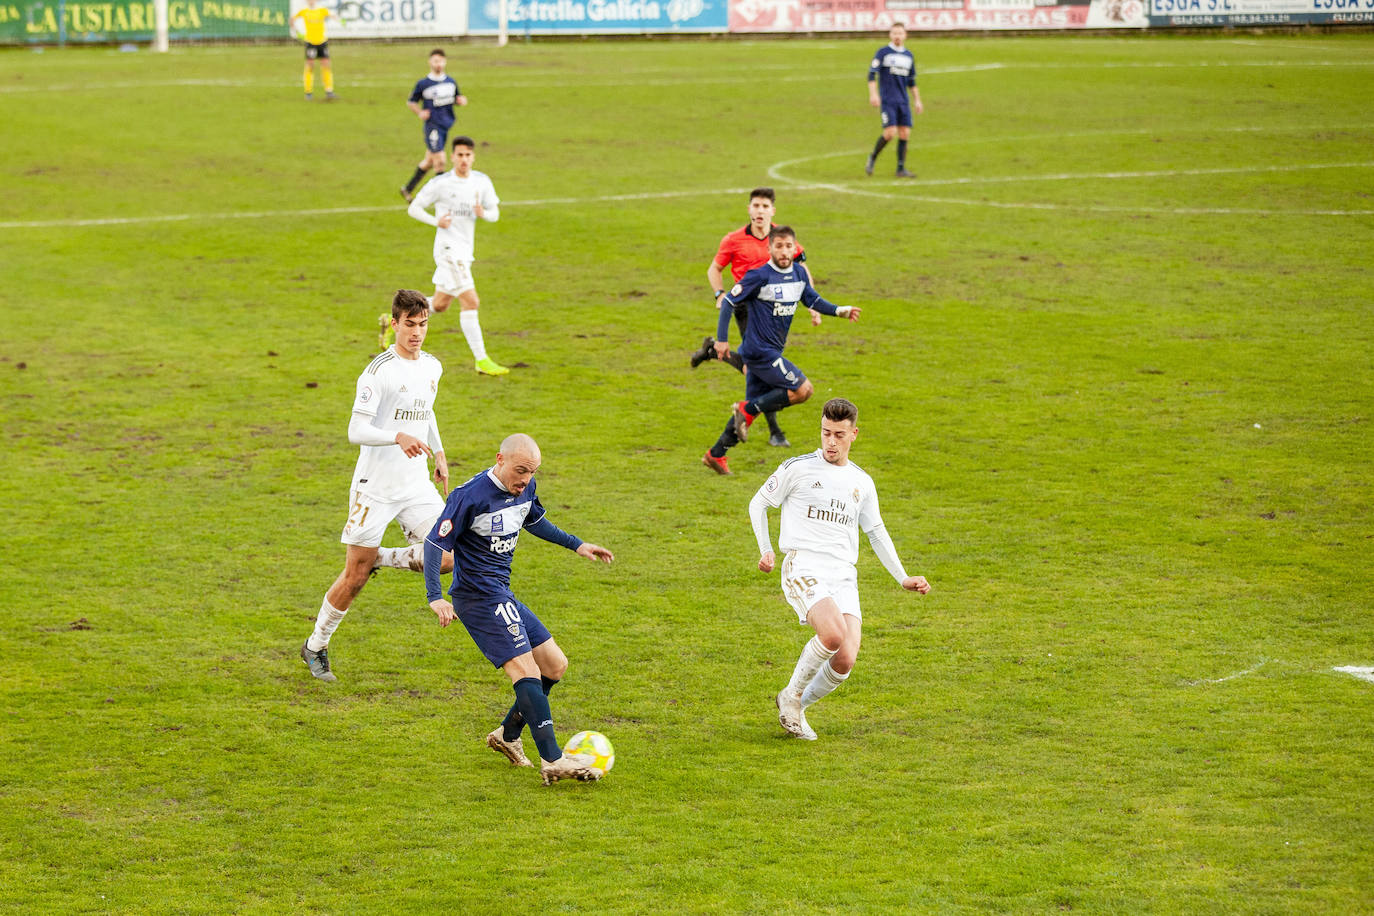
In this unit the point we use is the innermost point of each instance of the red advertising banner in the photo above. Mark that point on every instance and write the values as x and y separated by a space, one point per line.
933 15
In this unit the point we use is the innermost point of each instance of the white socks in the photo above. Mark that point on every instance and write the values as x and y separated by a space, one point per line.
813 657
412 557
472 330
325 625
825 681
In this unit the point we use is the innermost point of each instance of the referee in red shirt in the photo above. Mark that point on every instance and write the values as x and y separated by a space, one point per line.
744 249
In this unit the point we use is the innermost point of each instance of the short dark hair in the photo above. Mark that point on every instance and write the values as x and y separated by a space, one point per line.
778 232
408 302
897 22
440 52
838 410
462 140
763 192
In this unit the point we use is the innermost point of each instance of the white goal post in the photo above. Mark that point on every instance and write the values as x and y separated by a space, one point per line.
160 26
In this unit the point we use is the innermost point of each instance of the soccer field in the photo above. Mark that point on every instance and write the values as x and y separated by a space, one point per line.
1114 379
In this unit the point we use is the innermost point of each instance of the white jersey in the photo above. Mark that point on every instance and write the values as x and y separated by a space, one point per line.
398 394
455 196
824 506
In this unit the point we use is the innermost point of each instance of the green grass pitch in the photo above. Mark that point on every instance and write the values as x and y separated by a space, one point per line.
1114 374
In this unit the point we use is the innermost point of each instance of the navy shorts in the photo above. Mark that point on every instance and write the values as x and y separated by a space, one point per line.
435 138
897 115
763 377
501 626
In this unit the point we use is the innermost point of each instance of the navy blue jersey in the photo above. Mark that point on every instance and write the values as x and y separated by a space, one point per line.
481 523
770 296
894 69
437 96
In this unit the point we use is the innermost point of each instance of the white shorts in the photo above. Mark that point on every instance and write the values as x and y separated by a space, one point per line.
368 517
806 582
452 277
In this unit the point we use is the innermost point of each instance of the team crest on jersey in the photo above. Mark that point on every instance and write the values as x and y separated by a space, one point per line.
445 527
856 494
498 524
772 483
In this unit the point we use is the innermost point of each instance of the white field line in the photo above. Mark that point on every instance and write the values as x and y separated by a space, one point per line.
1363 673
775 172
745 78
750 76
1229 677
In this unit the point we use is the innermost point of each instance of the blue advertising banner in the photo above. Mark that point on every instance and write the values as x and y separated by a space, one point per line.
587 17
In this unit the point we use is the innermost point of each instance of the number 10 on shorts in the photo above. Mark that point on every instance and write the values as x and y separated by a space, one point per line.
510 616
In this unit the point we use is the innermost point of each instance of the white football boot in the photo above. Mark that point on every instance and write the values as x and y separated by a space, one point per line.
513 751
569 766
789 712
807 733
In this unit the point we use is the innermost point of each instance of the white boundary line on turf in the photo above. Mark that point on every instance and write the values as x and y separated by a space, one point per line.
1229 677
775 172
811 76
750 77
1363 673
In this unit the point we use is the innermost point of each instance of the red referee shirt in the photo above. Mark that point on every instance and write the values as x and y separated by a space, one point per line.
743 252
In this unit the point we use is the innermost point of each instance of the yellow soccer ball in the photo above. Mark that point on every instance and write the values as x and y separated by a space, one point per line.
594 745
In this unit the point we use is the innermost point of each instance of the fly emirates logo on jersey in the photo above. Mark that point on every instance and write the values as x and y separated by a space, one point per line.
837 511
418 411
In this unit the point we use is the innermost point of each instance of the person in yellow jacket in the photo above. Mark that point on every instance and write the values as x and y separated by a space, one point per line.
316 40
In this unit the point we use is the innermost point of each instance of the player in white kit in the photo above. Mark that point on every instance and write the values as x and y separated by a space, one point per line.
460 198
393 422
825 501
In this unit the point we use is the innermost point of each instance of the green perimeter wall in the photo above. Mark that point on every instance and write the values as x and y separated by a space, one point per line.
126 20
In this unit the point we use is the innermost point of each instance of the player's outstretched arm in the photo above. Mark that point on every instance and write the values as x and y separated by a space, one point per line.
758 518
595 552
434 587
887 555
